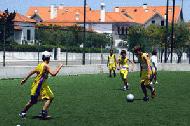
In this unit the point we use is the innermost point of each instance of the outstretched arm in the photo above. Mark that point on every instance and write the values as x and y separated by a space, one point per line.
54 73
29 75
133 64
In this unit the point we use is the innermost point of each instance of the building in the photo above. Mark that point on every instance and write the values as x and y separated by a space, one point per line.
24 29
116 23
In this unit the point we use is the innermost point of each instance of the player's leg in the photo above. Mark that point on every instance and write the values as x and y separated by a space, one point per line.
114 74
28 106
114 68
125 80
155 76
110 73
152 89
48 97
143 87
45 108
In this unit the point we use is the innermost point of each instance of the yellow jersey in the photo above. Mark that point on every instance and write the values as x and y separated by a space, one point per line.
40 79
145 61
112 59
124 63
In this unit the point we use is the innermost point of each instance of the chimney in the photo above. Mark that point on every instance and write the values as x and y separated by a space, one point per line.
53 11
61 6
77 16
116 9
102 13
145 6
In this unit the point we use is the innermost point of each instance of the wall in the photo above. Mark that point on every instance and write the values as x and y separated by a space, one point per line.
22 35
20 72
157 19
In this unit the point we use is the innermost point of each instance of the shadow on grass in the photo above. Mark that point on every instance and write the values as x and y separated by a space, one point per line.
41 118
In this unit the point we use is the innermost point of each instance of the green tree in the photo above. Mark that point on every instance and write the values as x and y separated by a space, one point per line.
7 26
181 39
136 37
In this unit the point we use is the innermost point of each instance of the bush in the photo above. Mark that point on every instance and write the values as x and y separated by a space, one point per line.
35 48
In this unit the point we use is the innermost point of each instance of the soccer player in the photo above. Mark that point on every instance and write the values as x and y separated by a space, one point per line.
123 66
145 73
40 89
111 63
154 61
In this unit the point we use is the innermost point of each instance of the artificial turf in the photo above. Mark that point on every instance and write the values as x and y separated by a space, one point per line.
97 100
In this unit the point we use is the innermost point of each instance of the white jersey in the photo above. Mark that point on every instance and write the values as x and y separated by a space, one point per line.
154 60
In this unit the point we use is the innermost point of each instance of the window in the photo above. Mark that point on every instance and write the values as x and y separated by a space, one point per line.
162 23
122 31
28 34
126 30
118 30
153 21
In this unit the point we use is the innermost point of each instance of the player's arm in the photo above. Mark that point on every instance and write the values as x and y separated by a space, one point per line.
108 61
115 61
148 67
119 65
54 73
133 64
29 75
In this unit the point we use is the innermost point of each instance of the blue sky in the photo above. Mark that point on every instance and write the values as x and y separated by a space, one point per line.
21 6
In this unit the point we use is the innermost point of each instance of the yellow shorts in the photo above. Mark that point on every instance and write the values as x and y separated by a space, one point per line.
41 92
112 66
144 77
123 74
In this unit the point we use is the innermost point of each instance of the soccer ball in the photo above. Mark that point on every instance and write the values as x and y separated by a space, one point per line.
130 97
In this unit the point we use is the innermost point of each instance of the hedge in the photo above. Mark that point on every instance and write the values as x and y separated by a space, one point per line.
41 48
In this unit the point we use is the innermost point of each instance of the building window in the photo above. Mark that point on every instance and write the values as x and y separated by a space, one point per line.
122 30
118 30
126 30
162 23
153 21
28 34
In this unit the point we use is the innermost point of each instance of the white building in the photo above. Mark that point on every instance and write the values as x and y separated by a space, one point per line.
24 29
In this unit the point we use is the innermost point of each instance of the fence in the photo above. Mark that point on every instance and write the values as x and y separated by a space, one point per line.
68 58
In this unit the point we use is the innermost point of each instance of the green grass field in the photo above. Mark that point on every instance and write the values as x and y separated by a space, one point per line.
96 100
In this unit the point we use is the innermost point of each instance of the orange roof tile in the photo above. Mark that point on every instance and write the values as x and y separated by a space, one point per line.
44 12
117 17
22 18
141 16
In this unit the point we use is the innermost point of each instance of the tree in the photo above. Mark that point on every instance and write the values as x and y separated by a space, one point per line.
70 37
7 26
136 37
181 39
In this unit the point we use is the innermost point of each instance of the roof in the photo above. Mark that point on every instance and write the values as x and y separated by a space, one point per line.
22 18
44 12
141 15
73 15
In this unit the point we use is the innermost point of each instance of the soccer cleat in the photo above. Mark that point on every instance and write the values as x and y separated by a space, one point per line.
44 114
125 87
146 99
153 94
22 114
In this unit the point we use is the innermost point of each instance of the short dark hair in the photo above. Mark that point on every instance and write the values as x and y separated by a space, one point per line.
44 58
154 52
137 49
123 52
